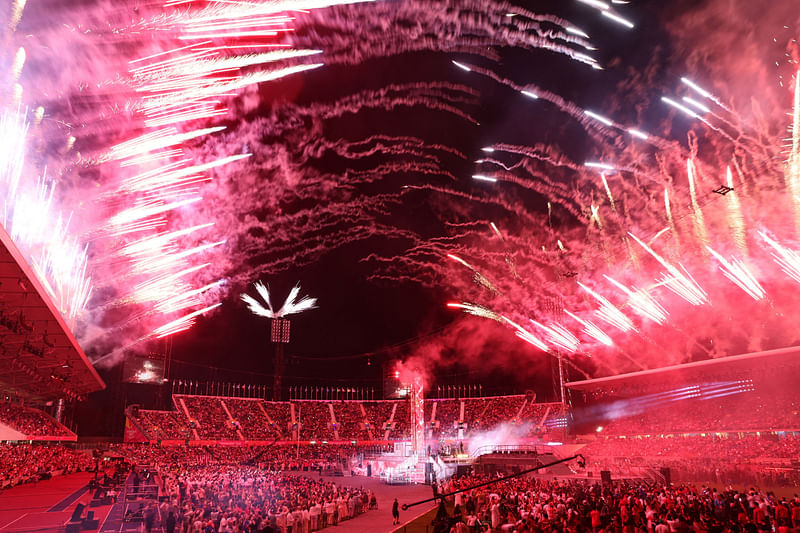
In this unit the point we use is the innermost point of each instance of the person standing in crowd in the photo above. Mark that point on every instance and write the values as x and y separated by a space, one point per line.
169 523
150 517
395 513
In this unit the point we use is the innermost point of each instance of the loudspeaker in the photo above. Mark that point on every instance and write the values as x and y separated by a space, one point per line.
369 470
605 476
76 514
667 473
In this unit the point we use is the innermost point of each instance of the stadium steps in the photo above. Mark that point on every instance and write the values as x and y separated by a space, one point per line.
230 418
182 406
390 422
429 428
334 425
271 421
367 423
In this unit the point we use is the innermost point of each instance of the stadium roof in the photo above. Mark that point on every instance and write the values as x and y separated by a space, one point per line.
688 371
40 360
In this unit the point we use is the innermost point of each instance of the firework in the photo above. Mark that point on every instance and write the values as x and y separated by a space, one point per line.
291 305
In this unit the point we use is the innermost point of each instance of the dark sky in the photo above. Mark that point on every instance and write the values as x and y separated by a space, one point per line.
360 316
356 315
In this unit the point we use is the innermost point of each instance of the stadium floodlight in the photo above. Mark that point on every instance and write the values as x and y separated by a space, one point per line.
279 326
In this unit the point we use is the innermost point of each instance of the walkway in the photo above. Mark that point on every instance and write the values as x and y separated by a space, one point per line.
380 520
46 505
114 523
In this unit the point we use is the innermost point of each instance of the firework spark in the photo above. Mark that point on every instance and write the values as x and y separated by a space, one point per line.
291 305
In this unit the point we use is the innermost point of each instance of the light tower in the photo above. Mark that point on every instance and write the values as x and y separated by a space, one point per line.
279 335
555 308
279 326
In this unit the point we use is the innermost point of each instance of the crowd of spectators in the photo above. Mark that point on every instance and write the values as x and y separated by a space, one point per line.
31 422
401 422
535 412
281 415
281 458
314 419
163 425
252 421
378 414
743 411
524 505
257 419
212 420
473 410
725 459
498 410
448 413
247 488
350 420
25 463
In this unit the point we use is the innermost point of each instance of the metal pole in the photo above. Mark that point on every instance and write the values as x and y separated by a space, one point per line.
561 382
277 383
563 396
299 414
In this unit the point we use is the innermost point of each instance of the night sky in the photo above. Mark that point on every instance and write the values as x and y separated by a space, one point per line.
364 321
357 315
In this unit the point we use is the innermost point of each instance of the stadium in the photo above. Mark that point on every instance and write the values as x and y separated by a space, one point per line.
375 266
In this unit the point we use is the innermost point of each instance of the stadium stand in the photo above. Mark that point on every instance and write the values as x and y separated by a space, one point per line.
378 414
213 422
224 418
160 425
447 418
31 422
498 410
401 421
280 414
315 420
350 420
252 418
754 392
44 362
24 463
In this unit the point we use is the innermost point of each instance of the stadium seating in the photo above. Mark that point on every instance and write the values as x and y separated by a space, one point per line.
745 411
350 421
23 463
280 414
378 414
251 417
31 422
213 421
161 425
315 420
709 456
447 417
255 419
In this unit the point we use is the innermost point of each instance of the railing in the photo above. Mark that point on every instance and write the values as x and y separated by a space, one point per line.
655 476
512 448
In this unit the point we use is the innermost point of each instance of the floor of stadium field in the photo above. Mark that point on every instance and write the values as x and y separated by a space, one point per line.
46 505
